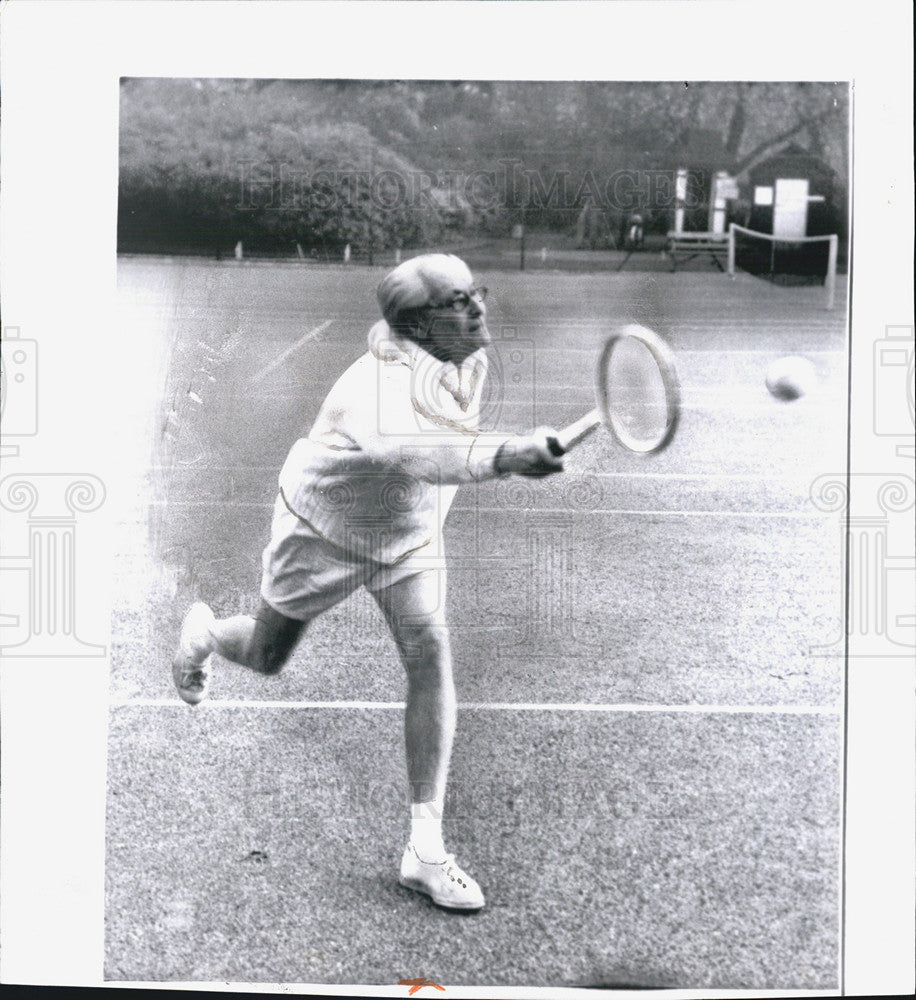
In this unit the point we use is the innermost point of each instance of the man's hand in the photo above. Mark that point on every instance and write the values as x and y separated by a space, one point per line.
529 454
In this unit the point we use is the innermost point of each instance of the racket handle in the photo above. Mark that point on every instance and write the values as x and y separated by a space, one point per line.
570 436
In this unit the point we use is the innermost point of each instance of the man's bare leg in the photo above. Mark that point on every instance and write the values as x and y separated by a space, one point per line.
262 642
417 622
414 612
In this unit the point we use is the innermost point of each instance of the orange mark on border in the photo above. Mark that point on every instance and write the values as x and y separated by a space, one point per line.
418 984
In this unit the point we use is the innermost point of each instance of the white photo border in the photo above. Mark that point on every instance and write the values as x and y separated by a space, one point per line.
61 61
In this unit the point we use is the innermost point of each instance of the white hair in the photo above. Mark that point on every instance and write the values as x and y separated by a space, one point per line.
415 284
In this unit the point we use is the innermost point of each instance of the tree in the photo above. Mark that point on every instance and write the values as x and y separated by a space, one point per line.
286 161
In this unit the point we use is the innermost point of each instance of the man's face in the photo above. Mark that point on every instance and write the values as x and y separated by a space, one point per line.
456 320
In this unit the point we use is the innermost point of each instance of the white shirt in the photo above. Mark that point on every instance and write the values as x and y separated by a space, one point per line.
395 437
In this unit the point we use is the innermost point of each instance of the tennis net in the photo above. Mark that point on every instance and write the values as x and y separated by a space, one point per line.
804 258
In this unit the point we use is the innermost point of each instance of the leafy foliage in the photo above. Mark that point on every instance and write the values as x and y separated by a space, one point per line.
323 163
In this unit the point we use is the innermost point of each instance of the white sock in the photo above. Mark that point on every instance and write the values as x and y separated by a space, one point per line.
426 830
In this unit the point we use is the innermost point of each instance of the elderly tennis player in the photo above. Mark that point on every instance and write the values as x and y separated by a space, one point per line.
362 502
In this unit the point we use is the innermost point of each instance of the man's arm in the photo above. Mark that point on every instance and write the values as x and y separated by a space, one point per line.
429 444
379 422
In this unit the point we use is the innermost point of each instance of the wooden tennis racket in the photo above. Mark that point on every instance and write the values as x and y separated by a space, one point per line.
637 392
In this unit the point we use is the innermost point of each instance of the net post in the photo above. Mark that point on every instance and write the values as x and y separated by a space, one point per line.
830 281
731 250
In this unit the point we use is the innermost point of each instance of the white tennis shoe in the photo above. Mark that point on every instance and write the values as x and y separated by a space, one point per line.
443 881
191 665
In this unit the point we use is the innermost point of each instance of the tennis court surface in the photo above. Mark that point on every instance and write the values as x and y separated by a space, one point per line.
646 778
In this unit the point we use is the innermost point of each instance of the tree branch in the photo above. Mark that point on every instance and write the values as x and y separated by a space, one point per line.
761 147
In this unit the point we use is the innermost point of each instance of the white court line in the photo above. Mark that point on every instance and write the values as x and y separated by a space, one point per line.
737 476
686 351
737 389
634 708
264 505
727 476
280 358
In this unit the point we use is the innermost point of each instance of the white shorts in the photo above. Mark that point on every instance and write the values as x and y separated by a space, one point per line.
305 574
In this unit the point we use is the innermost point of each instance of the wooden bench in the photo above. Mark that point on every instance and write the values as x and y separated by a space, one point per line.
686 246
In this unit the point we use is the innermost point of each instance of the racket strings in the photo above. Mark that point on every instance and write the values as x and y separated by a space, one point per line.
636 393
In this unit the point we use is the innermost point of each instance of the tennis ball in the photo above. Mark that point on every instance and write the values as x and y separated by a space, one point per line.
790 378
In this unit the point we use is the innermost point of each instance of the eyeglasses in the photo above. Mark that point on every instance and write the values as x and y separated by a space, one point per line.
461 300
